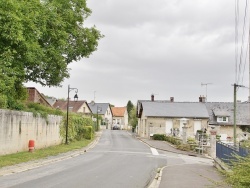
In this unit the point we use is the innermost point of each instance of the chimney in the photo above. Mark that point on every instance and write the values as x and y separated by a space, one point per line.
171 99
202 99
152 97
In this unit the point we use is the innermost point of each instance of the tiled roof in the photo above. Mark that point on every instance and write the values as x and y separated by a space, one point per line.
174 109
73 105
118 111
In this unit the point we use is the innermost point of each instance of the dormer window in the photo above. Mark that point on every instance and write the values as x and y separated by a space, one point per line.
222 119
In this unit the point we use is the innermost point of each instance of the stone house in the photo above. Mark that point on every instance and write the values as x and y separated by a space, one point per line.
221 116
120 117
166 117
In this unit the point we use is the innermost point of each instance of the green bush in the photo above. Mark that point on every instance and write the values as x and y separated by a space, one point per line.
184 147
79 127
191 140
159 137
240 175
173 140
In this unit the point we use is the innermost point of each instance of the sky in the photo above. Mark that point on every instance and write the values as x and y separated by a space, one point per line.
169 48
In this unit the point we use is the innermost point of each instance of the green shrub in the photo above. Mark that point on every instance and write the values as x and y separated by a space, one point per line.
159 137
79 127
184 147
173 140
240 175
191 140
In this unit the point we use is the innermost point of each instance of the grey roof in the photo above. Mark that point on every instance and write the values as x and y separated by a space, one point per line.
101 106
227 109
221 113
174 109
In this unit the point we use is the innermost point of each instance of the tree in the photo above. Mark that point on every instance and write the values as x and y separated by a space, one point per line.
39 38
133 119
130 106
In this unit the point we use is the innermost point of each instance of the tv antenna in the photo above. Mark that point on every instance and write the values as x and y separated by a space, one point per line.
205 84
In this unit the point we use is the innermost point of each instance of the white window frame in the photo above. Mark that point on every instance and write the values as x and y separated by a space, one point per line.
222 119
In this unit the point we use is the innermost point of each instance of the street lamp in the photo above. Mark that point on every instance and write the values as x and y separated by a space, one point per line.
67 121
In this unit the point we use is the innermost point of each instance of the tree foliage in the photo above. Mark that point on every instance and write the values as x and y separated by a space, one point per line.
130 107
39 38
133 119
78 127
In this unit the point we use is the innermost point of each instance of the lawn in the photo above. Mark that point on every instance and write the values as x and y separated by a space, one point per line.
12 159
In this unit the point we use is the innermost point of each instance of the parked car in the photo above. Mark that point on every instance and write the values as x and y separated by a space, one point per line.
116 127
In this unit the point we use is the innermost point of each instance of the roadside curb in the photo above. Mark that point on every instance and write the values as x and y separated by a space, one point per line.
21 167
157 180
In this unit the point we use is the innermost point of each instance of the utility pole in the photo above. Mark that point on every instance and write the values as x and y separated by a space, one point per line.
235 101
202 84
235 86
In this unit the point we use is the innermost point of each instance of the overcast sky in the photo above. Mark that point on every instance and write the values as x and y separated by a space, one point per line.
162 47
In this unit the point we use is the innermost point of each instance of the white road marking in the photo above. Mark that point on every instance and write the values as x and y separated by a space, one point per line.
154 151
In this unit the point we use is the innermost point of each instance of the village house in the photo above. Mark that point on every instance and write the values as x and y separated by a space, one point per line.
221 117
170 117
120 117
103 110
80 106
36 97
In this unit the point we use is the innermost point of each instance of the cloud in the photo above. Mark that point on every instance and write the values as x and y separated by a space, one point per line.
162 47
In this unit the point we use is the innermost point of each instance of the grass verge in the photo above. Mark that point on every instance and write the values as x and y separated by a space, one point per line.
12 159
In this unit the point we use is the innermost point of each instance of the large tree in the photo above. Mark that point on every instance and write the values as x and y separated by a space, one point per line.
39 38
130 106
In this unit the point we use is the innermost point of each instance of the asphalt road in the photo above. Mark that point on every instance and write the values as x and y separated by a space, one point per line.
118 160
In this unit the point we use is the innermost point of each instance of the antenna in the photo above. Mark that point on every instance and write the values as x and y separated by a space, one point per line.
94 96
202 84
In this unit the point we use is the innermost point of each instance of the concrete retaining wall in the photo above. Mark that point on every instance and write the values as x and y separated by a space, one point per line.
17 128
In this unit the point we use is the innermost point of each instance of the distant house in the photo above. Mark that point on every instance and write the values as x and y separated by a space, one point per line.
74 106
36 97
221 116
103 110
120 117
162 117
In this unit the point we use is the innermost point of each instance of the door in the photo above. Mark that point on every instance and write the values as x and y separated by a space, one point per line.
197 126
169 126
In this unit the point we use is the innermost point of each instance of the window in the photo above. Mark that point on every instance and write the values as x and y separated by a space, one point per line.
222 119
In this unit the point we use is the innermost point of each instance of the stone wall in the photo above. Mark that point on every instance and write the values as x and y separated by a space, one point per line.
17 128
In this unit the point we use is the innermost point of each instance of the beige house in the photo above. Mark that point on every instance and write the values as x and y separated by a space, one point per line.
166 117
74 106
120 117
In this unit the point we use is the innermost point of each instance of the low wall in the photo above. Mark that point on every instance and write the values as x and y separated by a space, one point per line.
17 128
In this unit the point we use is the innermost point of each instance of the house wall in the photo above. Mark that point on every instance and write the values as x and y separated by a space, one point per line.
108 116
228 131
17 128
85 110
157 125
126 119
123 121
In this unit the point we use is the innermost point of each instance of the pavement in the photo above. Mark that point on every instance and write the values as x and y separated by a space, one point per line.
192 169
